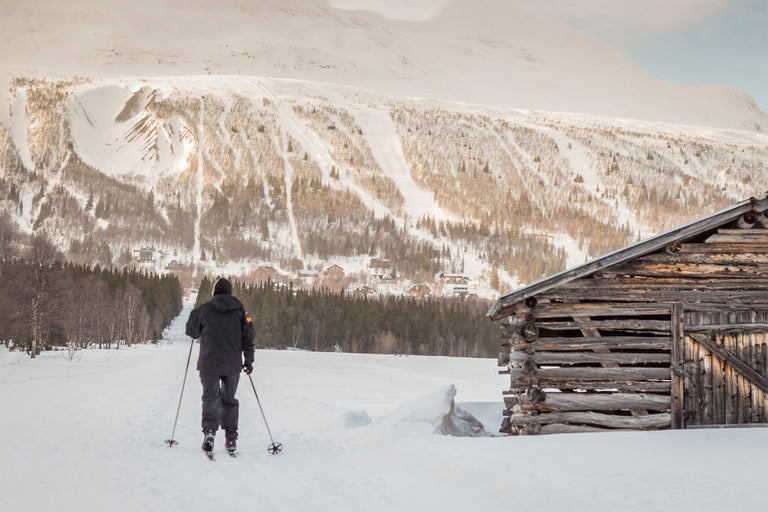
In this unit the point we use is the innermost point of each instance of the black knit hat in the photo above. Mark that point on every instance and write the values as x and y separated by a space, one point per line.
222 286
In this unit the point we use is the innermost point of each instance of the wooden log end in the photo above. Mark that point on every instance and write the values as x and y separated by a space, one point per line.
536 395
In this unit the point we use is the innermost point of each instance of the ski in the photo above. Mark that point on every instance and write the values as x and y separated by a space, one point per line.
209 455
233 454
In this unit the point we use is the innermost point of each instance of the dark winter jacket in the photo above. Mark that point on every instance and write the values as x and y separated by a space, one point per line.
226 335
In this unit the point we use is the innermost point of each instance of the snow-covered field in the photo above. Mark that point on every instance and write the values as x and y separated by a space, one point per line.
358 433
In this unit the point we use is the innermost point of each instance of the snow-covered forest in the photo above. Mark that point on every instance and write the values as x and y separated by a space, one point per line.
49 302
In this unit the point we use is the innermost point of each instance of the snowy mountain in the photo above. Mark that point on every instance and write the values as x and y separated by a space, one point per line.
484 52
269 177
429 139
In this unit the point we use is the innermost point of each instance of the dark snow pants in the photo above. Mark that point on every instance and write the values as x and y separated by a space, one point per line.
220 407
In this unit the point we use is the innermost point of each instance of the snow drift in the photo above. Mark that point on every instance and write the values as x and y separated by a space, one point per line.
437 411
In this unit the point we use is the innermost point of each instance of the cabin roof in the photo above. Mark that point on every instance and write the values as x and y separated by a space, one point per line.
682 233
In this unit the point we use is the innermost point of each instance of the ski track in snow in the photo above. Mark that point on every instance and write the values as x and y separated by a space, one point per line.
200 185
288 171
384 143
387 150
19 125
88 435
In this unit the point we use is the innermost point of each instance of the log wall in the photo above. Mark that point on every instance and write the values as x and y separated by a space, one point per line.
672 339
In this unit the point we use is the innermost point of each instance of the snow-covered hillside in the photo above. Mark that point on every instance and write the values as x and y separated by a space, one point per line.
484 52
360 432
263 177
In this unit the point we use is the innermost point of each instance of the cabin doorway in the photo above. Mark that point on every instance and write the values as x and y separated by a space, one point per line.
720 365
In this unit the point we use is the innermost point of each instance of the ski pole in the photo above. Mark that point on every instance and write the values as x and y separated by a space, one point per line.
171 442
274 448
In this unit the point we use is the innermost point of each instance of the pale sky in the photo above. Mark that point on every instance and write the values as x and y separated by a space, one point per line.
688 42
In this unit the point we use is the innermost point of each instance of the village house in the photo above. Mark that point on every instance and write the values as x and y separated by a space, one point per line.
334 272
453 284
146 254
364 291
308 274
380 266
668 333
420 290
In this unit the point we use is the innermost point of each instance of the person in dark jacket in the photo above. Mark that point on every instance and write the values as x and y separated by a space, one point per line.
226 336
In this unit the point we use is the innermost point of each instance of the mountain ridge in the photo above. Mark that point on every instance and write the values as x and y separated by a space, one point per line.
488 53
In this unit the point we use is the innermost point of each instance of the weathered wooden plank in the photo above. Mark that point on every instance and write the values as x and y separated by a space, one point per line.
745 386
652 421
762 358
604 342
747 236
706 270
630 324
552 358
737 257
624 374
692 383
564 428
589 374
755 247
758 232
743 425
726 341
671 295
729 328
597 402
678 367
716 414
623 387
623 282
559 310
760 310
758 401
726 354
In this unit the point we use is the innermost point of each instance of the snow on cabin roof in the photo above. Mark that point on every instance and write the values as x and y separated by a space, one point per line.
685 232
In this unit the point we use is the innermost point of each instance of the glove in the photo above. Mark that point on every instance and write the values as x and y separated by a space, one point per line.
247 368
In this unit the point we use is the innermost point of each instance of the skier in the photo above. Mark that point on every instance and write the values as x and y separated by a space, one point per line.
226 336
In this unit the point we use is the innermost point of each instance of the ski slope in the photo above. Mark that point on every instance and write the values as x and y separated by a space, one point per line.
359 433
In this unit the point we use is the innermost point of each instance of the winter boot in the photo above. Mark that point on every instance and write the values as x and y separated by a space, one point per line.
231 446
210 436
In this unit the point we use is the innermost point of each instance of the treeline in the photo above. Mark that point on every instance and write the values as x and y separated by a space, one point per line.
47 302
321 320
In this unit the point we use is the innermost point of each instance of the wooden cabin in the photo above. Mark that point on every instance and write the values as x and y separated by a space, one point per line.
334 272
669 333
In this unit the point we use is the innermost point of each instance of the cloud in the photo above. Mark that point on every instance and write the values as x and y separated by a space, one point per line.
625 23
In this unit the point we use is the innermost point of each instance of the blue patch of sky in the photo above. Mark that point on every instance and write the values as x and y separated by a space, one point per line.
731 48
